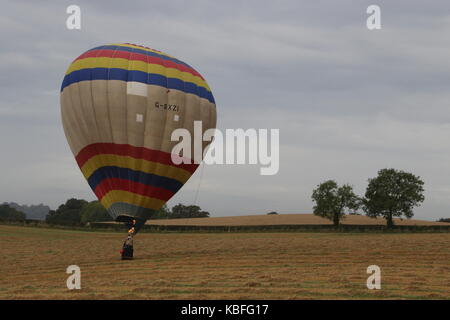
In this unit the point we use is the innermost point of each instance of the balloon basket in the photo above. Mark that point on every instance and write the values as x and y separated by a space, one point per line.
127 252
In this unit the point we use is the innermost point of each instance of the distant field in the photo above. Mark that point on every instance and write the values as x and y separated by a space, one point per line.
284 219
223 265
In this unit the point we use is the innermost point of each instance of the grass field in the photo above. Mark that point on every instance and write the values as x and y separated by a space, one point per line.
223 265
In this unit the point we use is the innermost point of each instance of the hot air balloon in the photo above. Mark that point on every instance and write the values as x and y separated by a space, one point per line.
120 104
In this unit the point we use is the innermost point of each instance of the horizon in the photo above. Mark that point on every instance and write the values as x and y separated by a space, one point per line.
257 214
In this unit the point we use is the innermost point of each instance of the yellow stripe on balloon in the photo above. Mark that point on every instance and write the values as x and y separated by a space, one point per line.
142 48
114 196
146 166
136 65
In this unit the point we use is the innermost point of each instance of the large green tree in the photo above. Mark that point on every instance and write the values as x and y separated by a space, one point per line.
94 212
67 214
331 201
393 193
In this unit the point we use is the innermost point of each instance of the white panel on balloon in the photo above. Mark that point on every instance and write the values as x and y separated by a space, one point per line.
137 88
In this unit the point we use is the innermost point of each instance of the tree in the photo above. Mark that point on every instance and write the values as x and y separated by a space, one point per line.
331 201
163 213
272 212
67 214
94 212
182 211
393 193
10 214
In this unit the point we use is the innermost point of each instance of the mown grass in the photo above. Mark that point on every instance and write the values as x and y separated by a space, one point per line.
223 265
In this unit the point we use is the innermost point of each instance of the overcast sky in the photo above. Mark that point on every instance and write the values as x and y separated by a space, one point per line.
348 101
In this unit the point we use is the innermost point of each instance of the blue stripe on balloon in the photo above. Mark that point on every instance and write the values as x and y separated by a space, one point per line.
149 179
137 76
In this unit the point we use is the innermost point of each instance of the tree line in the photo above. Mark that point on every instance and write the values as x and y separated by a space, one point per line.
76 212
79 212
392 193
180 211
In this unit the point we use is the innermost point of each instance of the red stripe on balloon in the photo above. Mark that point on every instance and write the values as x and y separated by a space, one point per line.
137 57
131 151
110 184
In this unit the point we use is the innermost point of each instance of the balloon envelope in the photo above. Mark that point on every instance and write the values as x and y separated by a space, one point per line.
120 104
